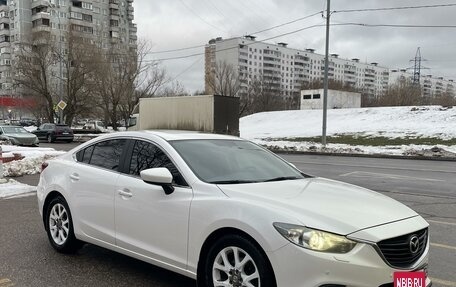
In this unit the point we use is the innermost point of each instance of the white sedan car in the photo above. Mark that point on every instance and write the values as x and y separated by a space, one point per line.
226 212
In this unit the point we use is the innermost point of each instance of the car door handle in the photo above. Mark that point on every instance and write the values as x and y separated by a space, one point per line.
125 193
74 176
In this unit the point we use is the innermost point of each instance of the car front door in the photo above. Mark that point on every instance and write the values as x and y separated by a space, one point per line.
148 221
93 180
41 133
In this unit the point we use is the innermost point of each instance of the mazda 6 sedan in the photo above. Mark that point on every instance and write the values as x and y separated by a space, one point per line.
226 212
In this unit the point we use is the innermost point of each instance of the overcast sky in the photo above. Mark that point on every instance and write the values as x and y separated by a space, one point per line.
174 24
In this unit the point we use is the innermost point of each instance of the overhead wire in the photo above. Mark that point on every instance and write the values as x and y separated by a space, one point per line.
394 8
252 33
201 18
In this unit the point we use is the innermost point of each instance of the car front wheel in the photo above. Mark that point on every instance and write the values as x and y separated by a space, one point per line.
59 227
235 261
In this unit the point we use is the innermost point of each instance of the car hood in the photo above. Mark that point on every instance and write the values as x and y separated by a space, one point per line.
323 204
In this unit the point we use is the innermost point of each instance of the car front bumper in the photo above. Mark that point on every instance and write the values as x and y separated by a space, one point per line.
362 267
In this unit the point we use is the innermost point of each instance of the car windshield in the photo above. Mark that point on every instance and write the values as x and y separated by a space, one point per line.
233 162
14 130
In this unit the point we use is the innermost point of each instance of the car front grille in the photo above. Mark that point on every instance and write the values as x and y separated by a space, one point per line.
405 250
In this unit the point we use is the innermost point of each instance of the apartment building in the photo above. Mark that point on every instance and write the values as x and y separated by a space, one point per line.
287 68
430 86
105 22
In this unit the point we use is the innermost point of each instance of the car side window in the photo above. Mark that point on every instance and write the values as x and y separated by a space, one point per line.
146 155
107 154
85 154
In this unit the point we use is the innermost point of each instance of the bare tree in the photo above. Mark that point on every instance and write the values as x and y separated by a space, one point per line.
403 93
79 63
446 99
174 89
34 66
122 78
224 80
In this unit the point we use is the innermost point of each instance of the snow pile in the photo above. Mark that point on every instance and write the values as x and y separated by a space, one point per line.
31 128
273 129
31 164
12 188
391 122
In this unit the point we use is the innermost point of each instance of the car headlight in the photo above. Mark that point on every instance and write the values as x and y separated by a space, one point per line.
313 239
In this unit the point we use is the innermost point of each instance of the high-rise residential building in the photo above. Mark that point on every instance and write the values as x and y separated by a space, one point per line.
287 68
430 86
105 22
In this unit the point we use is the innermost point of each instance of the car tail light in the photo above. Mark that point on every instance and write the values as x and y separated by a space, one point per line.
43 166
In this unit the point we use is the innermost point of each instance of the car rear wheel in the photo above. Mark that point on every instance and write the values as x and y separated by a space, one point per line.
235 261
59 227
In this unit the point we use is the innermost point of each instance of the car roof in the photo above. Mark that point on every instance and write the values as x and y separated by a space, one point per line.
173 135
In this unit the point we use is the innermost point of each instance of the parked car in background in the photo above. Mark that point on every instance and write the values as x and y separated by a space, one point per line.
27 122
54 132
18 136
226 212
96 126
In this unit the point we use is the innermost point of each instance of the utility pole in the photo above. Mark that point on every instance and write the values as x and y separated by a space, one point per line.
325 83
60 88
61 70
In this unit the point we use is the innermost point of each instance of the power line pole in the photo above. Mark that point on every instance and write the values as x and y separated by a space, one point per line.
417 66
325 84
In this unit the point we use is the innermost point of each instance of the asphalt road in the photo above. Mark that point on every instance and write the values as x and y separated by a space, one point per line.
26 258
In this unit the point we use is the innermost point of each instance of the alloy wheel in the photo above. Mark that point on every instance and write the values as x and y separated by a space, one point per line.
234 267
59 224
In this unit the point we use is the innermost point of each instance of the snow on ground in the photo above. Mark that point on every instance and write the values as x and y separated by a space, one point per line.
33 158
272 129
392 122
13 188
31 128
30 164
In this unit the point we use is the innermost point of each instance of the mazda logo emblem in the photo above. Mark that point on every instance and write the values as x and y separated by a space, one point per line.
414 244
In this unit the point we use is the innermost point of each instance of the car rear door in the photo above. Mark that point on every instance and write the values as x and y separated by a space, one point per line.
148 221
93 185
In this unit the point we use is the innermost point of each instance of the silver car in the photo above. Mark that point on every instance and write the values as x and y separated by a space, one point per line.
18 136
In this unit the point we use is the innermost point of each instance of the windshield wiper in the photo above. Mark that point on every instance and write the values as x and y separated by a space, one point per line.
237 181
282 178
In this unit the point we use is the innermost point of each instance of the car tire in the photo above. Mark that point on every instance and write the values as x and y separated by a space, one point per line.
59 227
50 138
220 264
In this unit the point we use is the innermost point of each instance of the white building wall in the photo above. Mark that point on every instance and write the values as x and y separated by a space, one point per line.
313 99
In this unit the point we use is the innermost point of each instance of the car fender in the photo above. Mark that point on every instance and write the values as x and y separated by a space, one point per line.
210 215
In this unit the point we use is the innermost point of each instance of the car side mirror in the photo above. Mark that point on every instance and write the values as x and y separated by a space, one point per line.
159 176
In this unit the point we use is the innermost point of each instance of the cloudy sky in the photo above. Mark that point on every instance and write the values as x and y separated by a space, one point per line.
175 24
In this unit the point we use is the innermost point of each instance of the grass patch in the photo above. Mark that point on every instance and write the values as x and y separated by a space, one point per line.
373 140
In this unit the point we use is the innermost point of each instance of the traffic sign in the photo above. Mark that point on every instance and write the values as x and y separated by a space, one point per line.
62 105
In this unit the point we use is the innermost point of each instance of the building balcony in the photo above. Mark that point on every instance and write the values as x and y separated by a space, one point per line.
41 28
114 17
41 15
4 32
4 20
40 3
114 4
4 8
